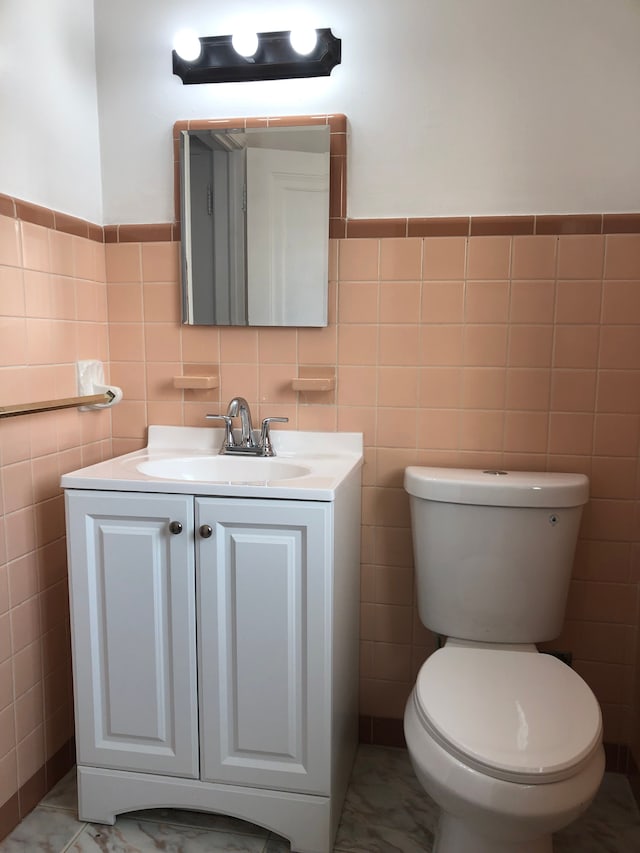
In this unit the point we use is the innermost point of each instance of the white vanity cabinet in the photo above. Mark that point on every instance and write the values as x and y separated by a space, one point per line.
264 620
215 645
133 602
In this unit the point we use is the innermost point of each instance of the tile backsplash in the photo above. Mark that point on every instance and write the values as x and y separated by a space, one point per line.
516 350
513 351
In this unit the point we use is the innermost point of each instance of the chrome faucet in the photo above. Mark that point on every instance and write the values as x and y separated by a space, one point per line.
248 444
238 407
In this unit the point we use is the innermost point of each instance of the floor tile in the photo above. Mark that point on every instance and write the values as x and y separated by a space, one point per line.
385 811
64 795
43 831
200 820
611 824
276 844
143 836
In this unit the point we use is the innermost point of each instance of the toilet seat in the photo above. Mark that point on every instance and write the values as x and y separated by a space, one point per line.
511 713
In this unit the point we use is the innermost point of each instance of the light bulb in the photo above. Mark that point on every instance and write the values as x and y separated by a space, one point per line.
187 45
303 40
245 43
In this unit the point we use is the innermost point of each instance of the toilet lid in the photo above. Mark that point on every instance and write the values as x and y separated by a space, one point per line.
512 714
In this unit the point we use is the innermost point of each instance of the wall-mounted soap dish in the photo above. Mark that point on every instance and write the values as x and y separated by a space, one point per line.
310 383
314 379
196 383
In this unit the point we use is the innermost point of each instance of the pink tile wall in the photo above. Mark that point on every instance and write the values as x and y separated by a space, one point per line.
53 311
505 351
513 351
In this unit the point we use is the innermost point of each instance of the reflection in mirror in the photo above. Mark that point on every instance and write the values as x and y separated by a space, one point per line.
255 226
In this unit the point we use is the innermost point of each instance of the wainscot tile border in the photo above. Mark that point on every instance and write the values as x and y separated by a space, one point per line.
344 228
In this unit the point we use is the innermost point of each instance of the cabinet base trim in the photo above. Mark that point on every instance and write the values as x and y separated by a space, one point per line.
304 819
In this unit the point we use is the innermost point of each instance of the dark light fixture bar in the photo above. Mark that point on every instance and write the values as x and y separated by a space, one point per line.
275 59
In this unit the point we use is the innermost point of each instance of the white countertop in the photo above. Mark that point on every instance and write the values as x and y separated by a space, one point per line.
330 456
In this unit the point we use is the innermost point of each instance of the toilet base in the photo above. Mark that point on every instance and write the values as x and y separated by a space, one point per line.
484 814
455 836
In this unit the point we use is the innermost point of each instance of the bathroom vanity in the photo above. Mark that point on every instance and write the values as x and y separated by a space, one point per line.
215 629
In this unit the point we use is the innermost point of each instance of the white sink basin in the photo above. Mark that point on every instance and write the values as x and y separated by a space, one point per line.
185 461
223 469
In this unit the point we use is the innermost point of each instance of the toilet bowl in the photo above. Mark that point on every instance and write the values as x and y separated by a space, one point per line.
505 739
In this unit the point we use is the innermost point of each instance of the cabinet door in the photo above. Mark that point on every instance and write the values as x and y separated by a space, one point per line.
132 586
263 626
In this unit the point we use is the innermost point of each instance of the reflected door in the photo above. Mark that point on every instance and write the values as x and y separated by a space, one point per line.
287 191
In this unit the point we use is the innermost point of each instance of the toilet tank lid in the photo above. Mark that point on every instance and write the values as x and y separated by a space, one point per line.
494 487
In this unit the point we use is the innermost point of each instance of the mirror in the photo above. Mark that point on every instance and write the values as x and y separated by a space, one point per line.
255 225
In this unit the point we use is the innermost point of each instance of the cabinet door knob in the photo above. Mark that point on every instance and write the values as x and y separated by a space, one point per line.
206 531
175 527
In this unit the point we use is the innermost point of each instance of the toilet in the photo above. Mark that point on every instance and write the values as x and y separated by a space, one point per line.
506 740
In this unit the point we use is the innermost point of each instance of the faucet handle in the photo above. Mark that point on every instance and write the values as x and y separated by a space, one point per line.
265 435
228 432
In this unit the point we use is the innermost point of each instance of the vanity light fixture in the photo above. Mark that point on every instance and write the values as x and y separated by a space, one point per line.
187 45
269 56
303 40
245 43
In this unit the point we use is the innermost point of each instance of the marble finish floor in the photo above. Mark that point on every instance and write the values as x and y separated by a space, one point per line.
385 812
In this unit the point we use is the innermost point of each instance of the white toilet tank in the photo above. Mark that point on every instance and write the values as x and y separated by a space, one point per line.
493 550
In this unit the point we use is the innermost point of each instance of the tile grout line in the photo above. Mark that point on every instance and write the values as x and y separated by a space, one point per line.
74 839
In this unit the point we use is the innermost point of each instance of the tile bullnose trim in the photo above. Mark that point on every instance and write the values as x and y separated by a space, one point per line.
491 226
475 226
7 206
55 220
342 227
160 232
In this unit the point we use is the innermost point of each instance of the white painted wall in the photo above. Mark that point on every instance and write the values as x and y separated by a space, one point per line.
456 106
49 146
